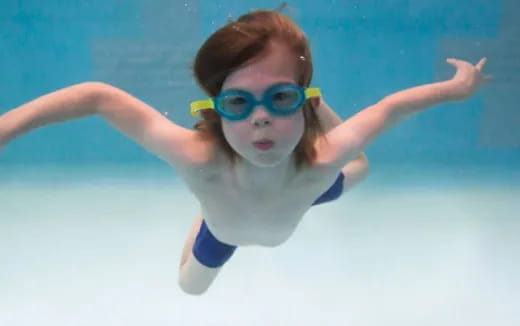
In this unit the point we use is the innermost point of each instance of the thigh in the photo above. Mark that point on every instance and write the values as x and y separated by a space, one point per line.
188 245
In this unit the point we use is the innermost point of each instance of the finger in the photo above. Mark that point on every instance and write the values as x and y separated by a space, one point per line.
453 62
487 78
481 64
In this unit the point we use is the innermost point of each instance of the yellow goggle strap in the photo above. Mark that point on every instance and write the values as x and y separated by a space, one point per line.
196 106
312 92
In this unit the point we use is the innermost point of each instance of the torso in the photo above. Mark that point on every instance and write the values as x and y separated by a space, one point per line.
240 215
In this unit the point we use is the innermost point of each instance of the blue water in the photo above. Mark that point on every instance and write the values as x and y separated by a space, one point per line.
92 226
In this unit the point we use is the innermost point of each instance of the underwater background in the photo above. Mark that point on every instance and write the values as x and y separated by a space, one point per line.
92 226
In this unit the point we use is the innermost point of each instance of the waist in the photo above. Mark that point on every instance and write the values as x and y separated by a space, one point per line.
249 235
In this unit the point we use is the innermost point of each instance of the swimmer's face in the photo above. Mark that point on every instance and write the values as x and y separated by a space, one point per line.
276 66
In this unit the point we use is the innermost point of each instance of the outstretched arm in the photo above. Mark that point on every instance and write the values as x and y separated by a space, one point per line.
66 104
126 113
347 141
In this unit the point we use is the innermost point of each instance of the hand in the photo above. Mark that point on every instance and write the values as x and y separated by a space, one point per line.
468 77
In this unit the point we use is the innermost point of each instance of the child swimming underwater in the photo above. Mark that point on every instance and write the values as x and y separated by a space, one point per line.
266 148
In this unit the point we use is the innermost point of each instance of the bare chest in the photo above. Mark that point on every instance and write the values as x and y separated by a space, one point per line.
256 216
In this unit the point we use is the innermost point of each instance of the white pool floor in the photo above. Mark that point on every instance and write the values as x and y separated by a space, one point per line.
106 252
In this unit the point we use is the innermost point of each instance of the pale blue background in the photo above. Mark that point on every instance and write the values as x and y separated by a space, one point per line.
363 51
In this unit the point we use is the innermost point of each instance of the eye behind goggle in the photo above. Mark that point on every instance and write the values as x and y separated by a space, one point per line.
234 104
285 98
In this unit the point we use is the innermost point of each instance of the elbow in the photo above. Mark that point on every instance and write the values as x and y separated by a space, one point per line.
362 166
355 172
97 93
363 158
390 112
365 168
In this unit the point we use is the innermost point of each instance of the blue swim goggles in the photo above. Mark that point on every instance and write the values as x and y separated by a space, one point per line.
237 104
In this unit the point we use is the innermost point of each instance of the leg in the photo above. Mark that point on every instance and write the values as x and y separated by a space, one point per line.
188 246
194 277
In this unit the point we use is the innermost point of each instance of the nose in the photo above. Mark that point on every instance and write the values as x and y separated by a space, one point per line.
261 118
262 122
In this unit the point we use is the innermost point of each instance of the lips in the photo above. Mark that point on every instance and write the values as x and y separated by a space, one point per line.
263 144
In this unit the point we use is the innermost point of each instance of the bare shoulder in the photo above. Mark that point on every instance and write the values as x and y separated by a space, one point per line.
181 147
346 141
197 154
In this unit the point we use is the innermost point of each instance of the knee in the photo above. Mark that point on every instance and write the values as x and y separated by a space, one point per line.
191 288
195 279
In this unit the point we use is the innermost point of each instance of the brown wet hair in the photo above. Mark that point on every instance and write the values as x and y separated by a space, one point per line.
236 45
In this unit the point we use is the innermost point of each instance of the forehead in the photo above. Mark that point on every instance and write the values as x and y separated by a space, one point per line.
276 65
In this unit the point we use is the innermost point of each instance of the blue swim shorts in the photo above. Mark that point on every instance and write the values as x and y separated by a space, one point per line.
213 253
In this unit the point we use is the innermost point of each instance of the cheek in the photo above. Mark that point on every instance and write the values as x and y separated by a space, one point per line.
292 127
283 129
236 133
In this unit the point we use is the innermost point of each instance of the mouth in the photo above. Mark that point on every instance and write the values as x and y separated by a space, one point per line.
263 144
